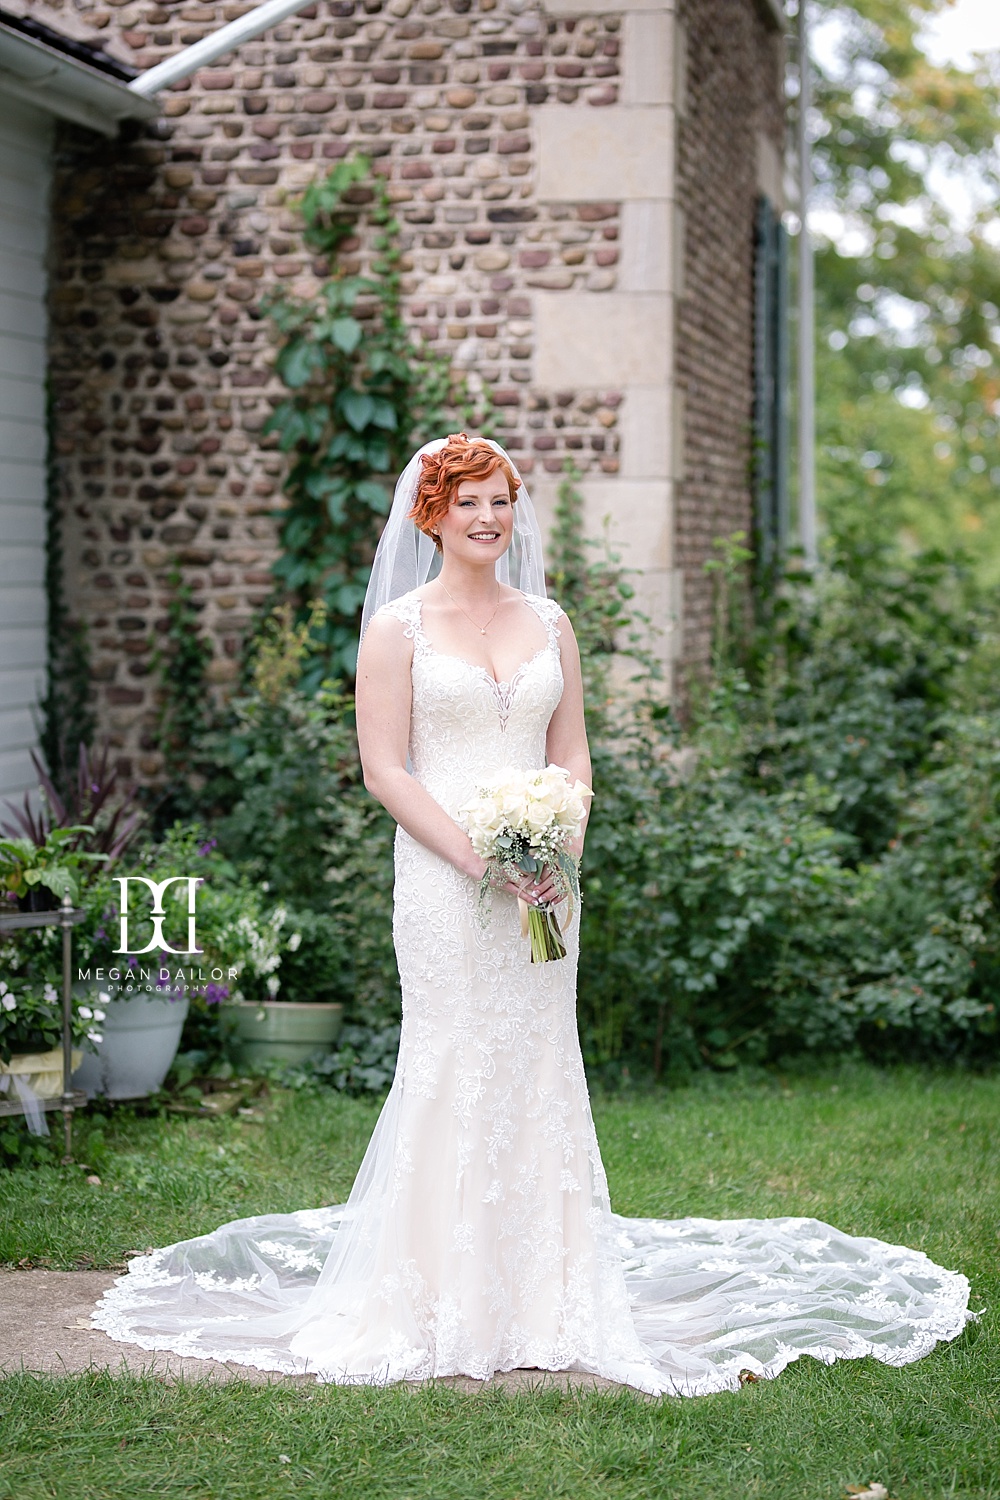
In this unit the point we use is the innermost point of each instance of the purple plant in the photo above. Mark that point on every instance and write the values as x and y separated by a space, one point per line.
91 794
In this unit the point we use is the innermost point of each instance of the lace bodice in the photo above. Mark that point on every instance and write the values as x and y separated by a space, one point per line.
464 724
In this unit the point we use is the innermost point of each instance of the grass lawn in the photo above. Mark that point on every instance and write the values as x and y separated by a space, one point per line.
907 1155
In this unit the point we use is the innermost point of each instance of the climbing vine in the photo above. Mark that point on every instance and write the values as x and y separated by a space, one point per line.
362 395
67 710
184 706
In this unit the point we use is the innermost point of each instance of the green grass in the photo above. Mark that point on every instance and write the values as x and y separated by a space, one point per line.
906 1155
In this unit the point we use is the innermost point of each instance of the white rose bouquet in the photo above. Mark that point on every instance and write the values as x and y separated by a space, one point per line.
522 824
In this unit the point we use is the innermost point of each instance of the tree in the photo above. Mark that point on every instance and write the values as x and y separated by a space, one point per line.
907 293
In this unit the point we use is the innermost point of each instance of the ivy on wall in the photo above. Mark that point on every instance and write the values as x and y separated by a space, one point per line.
184 711
67 710
362 396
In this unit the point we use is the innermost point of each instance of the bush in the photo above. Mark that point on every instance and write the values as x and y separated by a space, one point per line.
815 866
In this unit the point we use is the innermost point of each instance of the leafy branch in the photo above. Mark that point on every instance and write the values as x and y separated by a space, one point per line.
362 394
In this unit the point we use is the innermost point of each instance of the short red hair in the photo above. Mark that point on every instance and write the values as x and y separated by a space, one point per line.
442 472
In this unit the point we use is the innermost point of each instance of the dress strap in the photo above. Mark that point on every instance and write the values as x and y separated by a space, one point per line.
548 611
407 609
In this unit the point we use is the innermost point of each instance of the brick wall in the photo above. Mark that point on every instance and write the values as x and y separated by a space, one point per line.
164 244
733 94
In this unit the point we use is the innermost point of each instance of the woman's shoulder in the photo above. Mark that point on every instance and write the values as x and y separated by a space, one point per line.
549 610
405 607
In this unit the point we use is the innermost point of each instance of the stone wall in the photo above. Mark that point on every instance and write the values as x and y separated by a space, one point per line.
527 152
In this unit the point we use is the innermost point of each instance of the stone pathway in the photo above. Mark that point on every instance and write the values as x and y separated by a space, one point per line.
45 1328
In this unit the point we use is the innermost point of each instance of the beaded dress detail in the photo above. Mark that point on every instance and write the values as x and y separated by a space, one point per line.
478 1236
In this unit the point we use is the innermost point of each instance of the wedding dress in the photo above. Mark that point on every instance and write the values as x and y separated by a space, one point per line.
479 1236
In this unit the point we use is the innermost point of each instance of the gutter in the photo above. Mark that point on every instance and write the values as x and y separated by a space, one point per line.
65 86
181 66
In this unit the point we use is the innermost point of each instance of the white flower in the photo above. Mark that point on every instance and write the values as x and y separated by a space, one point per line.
50 993
273 985
99 1015
96 1036
103 996
86 1012
7 999
294 942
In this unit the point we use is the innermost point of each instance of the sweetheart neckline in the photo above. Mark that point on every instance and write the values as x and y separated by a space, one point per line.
498 683
476 666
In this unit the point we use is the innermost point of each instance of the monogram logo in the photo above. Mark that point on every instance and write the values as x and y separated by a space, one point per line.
157 889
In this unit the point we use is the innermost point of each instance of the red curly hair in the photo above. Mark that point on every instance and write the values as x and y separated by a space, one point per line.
461 458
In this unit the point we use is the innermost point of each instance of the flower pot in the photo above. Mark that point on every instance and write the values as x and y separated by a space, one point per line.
284 1031
41 1071
140 1037
39 898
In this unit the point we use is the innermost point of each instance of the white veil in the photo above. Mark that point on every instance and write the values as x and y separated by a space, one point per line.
406 558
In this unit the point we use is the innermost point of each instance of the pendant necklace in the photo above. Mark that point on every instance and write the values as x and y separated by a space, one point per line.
481 628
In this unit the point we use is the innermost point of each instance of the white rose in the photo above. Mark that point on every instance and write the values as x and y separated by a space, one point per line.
539 816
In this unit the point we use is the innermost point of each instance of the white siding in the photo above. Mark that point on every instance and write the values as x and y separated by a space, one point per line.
25 157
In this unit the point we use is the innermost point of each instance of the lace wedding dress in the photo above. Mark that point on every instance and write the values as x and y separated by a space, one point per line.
479 1236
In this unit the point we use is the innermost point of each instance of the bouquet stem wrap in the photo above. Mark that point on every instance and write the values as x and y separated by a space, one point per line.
521 824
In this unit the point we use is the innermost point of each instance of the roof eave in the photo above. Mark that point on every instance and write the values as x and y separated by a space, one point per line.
40 75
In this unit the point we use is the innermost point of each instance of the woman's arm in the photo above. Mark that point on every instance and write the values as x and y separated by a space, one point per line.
566 743
383 715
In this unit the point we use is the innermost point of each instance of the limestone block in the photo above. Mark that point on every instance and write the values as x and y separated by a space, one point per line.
659 595
606 7
639 514
647 429
607 155
647 60
770 170
608 342
636 515
647 247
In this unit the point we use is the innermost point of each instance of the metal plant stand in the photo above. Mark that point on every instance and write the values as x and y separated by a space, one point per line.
67 917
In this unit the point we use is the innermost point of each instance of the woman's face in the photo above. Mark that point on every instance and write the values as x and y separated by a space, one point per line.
479 523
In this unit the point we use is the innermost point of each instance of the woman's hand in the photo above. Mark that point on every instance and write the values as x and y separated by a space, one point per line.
537 890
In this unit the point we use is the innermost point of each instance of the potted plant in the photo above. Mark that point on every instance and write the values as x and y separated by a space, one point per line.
46 847
144 1006
282 1010
31 1038
38 875
70 840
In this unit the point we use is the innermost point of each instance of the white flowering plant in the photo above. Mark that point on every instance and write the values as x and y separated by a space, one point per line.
523 823
31 1018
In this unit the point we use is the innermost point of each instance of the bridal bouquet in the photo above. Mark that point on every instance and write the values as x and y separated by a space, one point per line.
520 823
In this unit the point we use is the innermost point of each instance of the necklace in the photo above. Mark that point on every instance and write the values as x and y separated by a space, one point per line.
481 628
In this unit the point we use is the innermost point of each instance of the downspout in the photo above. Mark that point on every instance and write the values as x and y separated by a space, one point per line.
210 47
807 311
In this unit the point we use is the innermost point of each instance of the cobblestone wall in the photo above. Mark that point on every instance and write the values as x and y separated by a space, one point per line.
165 244
730 117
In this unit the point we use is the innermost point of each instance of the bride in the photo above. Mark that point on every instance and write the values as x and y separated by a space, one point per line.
478 1236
